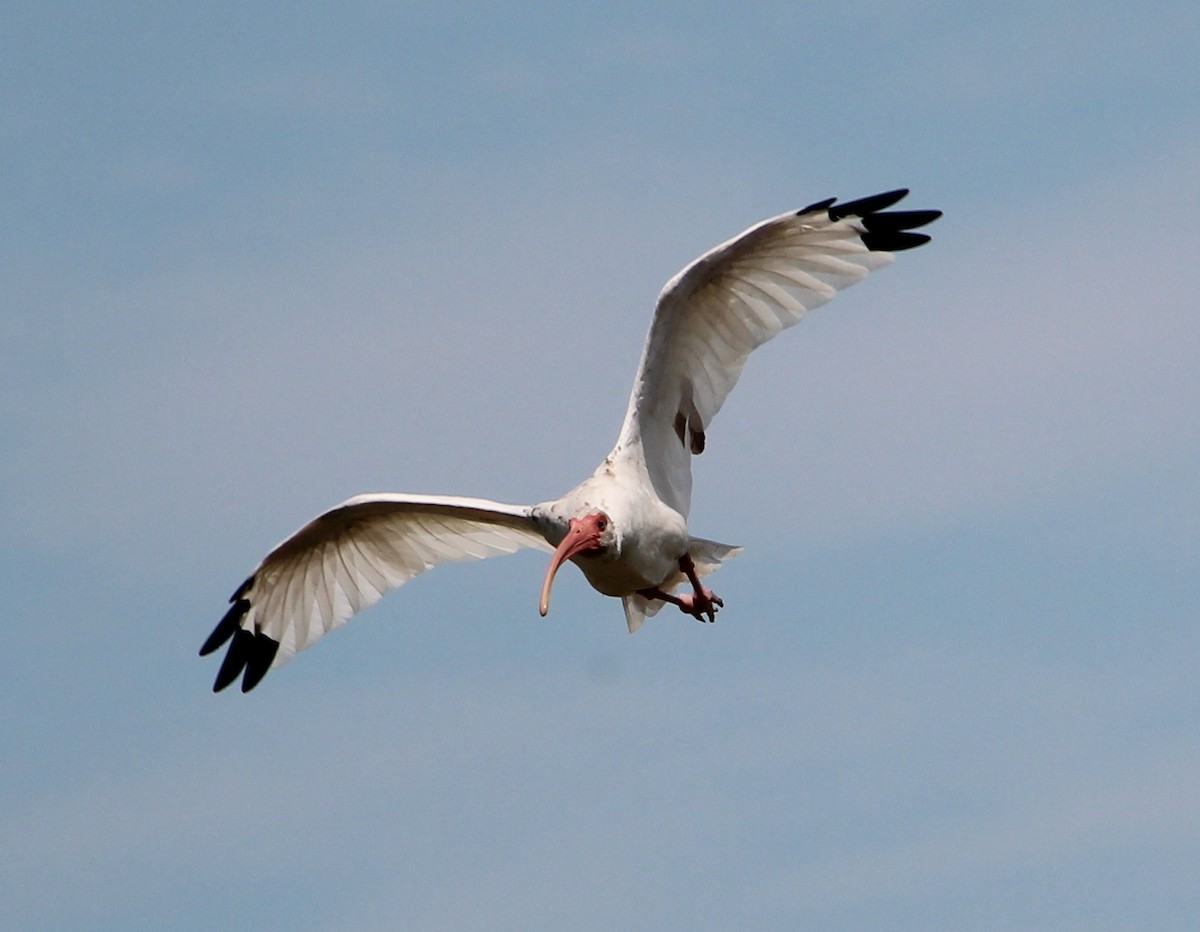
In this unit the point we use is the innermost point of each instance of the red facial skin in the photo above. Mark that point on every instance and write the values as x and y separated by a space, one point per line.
584 535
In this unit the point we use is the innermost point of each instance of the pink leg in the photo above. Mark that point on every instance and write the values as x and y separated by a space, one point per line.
701 603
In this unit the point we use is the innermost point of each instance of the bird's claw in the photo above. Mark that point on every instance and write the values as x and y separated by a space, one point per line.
701 605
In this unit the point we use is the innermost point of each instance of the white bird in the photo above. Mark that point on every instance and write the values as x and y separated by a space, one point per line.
625 526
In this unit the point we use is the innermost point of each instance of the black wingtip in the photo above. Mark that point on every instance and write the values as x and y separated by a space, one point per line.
251 652
262 655
235 659
226 627
232 620
899 220
867 205
819 205
243 588
886 232
894 241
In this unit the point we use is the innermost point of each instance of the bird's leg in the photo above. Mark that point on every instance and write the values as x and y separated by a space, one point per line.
688 603
703 601
701 604
663 596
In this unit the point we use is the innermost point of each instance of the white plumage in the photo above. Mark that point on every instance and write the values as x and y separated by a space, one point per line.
625 526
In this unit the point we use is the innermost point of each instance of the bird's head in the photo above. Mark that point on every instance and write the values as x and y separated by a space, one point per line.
587 534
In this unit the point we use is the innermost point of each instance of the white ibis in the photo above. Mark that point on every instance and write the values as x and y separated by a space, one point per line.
625 526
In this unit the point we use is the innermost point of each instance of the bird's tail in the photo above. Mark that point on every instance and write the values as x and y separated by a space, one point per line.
708 554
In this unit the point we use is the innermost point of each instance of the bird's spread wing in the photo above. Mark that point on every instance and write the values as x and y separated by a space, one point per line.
733 299
345 560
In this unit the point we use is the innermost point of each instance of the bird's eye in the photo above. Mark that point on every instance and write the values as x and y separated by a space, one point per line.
602 524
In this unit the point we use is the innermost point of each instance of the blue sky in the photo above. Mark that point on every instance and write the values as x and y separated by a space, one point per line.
258 260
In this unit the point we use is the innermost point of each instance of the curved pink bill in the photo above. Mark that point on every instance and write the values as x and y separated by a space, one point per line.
579 538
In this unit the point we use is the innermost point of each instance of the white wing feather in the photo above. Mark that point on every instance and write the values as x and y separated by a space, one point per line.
344 560
715 312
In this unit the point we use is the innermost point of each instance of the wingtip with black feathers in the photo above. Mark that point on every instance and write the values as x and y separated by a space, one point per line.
250 656
884 232
250 653
865 206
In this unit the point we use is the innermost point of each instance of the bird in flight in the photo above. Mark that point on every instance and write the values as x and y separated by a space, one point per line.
625 526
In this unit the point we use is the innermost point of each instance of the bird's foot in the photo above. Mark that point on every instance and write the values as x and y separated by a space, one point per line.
702 602
701 605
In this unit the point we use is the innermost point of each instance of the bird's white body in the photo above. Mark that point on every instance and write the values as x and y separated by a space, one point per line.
709 318
649 536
